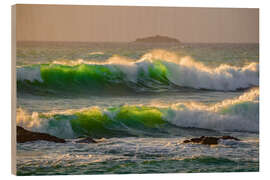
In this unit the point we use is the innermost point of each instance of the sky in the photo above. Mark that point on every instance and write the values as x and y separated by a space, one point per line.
125 24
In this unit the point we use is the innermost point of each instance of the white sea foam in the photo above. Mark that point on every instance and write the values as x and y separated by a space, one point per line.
28 73
240 114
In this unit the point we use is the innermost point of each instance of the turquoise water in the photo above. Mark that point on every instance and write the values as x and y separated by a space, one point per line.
141 103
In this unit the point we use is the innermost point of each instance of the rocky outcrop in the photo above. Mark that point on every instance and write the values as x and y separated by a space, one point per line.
209 140
24 135
157 39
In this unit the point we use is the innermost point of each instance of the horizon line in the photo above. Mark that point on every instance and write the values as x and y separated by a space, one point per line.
69 41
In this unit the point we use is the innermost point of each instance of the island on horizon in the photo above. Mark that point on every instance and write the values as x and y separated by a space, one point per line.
157 39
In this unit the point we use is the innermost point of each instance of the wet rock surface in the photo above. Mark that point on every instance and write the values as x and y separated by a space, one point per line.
24 135
209 140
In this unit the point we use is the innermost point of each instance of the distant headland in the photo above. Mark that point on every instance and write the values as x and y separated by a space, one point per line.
157 39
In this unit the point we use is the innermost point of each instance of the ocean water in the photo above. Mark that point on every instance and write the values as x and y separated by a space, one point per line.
140 102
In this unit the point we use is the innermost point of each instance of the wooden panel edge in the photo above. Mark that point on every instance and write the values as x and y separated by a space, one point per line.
13 89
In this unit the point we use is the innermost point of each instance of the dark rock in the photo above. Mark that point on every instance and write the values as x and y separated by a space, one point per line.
187 141
197 140
209 140
24 135
86 140
229 137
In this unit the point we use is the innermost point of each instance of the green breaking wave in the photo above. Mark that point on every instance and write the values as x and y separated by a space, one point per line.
120 121
138 76
147 121
92 78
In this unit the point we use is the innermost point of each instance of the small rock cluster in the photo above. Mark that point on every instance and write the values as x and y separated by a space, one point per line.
209 140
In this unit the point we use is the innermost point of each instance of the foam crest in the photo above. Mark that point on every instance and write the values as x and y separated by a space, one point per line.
28 73
44 122
189 73
241 114
250 96
23 118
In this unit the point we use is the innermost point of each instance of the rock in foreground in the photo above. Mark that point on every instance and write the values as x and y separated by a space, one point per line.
24 135
209 140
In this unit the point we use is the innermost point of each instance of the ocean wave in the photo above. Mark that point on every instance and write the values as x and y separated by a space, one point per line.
154 71
238 114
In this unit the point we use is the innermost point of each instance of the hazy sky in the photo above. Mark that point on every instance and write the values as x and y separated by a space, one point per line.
108 23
